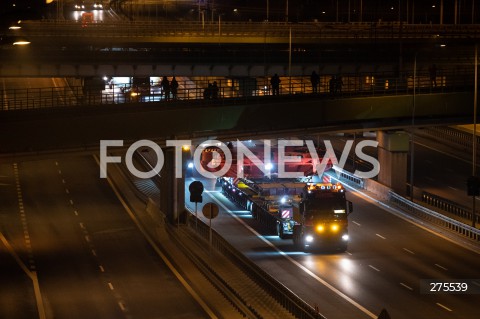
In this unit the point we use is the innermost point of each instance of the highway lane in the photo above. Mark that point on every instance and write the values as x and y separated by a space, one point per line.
16 288
441 173
91 260
383 267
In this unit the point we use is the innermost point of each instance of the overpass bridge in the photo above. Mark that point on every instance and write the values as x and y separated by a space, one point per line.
68 48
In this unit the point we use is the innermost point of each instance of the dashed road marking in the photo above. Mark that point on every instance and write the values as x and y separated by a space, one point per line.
374 268
380 236
441 267
409 251
110 286
406 286
358 224
444 307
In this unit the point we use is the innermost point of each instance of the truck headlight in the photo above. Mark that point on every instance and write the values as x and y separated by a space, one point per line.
309 238
345 237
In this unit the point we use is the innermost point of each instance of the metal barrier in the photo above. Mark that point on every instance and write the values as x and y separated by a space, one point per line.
289 300
452 135
434 217
420 211
303 30
346 85
341 173
448 206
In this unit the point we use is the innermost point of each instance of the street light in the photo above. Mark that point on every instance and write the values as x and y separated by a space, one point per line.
412 133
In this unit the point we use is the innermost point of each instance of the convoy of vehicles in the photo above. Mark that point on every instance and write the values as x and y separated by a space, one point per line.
314 215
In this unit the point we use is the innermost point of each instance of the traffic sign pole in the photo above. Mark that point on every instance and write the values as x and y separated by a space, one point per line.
210 226
196 218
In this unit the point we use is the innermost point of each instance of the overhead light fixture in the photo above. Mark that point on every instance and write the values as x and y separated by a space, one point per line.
21 42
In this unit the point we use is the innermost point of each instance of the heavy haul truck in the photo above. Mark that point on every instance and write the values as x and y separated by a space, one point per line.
314 215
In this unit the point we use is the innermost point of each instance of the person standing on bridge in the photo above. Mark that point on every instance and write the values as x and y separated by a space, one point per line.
433 75
275 83
315 79
214 90
174 88
165 88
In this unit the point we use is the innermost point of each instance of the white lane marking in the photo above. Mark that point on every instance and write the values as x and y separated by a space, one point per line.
358 224
349 253
59 172
31 274
374 268
82 226
75 212
71 202
67 191
452 188
409 251
380 236
296 263
87 238
94 252
63 181
122 306
440 266
101 268
167 262
444 307
408 287
110 286
56 163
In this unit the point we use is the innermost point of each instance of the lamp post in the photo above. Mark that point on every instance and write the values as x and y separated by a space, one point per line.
474 137
286 12
412 133
268 9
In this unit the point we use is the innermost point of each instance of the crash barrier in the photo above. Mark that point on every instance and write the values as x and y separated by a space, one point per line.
448 206
284 296
434 217
421 212
343 174
452 135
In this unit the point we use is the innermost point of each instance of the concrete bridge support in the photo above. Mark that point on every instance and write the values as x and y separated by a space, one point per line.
172 187
392 154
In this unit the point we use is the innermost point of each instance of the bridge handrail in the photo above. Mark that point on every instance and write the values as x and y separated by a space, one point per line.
245 29
354 85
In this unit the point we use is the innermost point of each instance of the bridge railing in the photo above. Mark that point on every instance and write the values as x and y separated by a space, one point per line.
330 85
313 30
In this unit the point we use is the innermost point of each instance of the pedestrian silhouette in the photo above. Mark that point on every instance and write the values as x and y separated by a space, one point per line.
315 80
165 88
275 83
338 85
174 88
332 84
433 75
214 91
207 93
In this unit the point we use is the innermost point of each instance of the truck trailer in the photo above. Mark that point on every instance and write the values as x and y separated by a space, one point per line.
314 215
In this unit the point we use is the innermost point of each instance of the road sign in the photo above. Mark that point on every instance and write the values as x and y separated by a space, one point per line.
196 190
210 210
